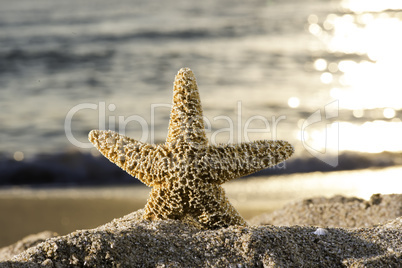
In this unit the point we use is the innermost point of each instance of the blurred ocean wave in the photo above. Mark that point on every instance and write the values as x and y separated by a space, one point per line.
278 59
76 169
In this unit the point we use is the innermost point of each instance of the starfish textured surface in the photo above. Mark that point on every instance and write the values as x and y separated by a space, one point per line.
186 172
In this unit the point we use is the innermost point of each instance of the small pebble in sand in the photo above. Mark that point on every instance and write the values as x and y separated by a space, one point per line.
320 231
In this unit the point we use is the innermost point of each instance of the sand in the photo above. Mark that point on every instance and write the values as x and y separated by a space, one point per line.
25 243
338 211
132 242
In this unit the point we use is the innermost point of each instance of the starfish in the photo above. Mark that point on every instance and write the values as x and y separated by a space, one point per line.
186 172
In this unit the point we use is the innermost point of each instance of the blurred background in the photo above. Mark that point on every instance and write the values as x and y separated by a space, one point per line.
324 75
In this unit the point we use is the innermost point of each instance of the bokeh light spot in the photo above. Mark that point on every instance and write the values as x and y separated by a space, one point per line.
312 19
18 156
326 78
320 64
315 29
293 102
333 67
358 113
389 113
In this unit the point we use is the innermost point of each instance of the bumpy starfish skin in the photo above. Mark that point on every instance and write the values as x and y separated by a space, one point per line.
185 172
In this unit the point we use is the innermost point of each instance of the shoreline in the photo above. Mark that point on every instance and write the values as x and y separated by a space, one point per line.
130 241
64 210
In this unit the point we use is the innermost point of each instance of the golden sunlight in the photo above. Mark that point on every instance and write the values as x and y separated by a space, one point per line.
369 137
364 74
370 83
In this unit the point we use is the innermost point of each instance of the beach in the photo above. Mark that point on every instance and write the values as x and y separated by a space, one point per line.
63 210
321 75
131 241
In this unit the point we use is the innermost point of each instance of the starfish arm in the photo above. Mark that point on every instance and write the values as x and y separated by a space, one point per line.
230 161
140 160
186 119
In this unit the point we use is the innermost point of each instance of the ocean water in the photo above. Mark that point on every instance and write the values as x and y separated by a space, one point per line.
323 75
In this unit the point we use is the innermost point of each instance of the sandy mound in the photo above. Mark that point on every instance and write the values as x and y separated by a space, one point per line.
132 242
25 243
338 211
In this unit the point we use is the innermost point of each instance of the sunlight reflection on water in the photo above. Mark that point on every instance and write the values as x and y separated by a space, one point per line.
272 193
370 137
365 84
363 70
